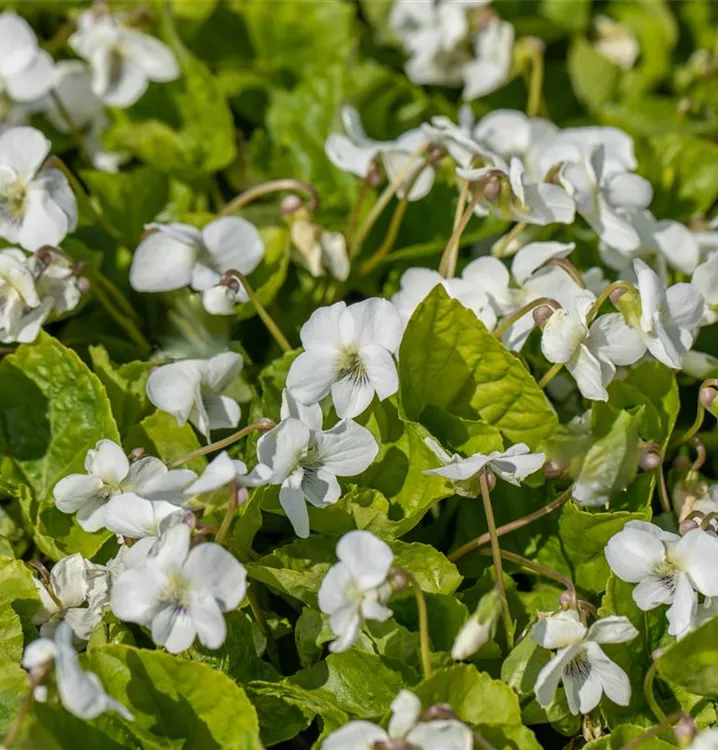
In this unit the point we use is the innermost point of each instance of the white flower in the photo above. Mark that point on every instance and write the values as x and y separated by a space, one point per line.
37 206
601 193
221 471
355 151
479 628
110 474
348 351
668 316
21 311
512 465
580 663
123 59
56 281
705 740
179 255
81 693
705 280
306 463
25 68
416 283
538 203
223 298
317 250
668 569
590 354
192 390
493 48
405 727
73 582
181 593
133 517
356 588
616 42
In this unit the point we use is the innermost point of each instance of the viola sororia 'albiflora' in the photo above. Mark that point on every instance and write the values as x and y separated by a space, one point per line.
358 375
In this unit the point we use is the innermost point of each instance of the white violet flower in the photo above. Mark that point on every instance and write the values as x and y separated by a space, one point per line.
25 68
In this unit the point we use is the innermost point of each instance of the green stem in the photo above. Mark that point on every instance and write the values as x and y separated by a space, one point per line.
72 127
502 250
228 515
383 201
507 322
266 318
220 444
512 526
356 209
447 265
605 294
550 375
83 196
656 731
663 490
273 186
423 627
700 416
535 84
96 277
272 650
570 269
648 690
496 557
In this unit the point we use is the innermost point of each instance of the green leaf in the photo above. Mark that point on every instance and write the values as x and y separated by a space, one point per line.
446 616
125 386
449 359
625 733
174 699
593 77
691 661
459 435
574 15
52 411
267 279
129 200
474 696
358 683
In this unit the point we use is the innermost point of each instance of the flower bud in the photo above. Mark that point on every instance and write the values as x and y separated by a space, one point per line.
399 579
374 175
219 300
242 496
541 315
84 284
492 188
649 460
490 480
290 204
688 525
136 454
684 730
707 396
567 600
616 295
439 711
479 628
552 469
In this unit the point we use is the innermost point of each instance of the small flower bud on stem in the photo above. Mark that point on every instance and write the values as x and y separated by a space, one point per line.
552 469
263 425
688 525
508 321
541 315
439 711
136 454
273 186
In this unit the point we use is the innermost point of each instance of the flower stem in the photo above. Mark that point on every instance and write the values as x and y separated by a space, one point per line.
272 327
273 186
700 416
648 690
663 495
447 265
72 127
570 269
605 294
36 679
228 515
80 193
507 322
496 557
533 106
423 627
272 650
656 731
384 199
356 209
263 426
540 569
512 526
502 249
550 375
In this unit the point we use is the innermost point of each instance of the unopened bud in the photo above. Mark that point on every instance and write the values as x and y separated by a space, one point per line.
616 295
44 254
707 396
688 525
190 520
541 315
290 204
84 284
440 711
567 600
535 44
436 153
265 423
491 188
242 496
552 469
649 461
490 480
684 730
374 175
398 579
136 454
479 628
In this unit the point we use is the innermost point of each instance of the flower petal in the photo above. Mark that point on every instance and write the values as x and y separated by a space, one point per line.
613 629
162 263
613 679
174 629
291 498
234 243
347 449
559 631
216 571
551 674
634 553
312 374
367 558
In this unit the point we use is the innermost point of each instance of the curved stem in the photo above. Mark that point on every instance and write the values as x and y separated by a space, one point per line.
423 627
507 322
656 731
496 558
700 416
605 294
512 526
463 195
648 690
540 569
272 650
701 454
273 186
501 250
384 199
447 265
264 426
72 127
570 269
228 515
272 327
550 375
665 498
